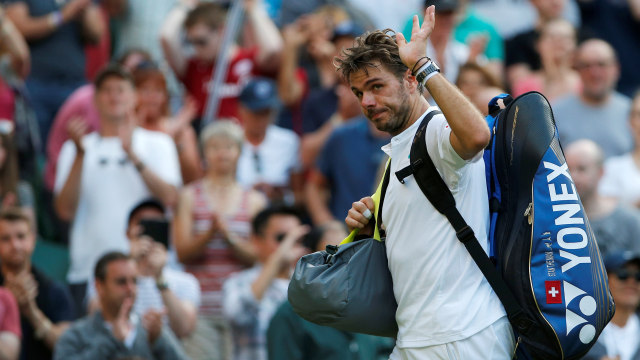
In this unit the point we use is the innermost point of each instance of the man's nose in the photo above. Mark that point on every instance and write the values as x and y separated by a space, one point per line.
368 100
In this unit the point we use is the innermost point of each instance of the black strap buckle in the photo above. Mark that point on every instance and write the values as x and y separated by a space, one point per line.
408 170
465 234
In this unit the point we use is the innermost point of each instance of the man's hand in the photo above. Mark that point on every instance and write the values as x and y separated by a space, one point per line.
157 259
360 214
185 116
152 322
140 247
121 324
24 288
76 130
296 34
416 49
125 133
290 249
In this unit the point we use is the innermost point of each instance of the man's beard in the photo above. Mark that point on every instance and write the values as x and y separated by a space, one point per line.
398 117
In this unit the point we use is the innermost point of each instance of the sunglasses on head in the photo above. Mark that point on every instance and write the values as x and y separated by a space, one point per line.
624 274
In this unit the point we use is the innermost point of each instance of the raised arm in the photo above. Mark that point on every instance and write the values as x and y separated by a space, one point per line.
266 33
290 87
66 198
170 40
469 131
38 27
14 44
93 25
182 314
154 179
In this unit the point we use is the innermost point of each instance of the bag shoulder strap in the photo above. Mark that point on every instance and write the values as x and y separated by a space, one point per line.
438 193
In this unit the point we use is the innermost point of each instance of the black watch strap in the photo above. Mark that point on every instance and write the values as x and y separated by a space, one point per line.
428 70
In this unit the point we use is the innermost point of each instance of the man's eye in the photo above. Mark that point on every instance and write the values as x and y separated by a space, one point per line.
377 87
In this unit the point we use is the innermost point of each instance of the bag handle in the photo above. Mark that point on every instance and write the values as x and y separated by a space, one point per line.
378 198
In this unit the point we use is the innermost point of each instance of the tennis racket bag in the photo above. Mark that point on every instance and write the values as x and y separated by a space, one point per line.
545 265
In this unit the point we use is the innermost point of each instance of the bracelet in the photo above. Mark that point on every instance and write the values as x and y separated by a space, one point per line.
162 284
55 19
413 70
139 166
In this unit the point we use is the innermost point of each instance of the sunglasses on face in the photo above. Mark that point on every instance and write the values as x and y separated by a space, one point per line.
596 64
198 42
624 274
280 236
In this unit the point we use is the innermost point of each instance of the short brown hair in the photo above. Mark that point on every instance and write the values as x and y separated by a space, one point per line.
100 271
14 214
212 15
112 71
487 77
376 46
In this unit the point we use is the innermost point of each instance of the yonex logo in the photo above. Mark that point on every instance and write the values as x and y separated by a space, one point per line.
587 307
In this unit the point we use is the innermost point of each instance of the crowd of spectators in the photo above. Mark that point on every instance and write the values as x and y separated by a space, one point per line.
186 153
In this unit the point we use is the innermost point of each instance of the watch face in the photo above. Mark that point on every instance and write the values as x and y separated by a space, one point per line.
424 73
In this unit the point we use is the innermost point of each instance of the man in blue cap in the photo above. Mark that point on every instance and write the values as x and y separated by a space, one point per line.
620 340
270 160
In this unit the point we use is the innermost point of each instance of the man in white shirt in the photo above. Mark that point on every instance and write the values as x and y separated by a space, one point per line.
446 308
270 158
102 175
251 297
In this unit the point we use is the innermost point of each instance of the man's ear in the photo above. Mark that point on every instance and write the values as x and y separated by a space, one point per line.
99 287
410 81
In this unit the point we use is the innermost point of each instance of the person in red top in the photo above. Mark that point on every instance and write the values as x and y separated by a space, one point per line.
10 331
204 26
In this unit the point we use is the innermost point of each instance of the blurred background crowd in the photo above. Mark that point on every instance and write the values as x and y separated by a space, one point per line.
164 163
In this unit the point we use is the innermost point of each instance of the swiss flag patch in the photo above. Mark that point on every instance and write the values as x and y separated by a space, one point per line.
554 292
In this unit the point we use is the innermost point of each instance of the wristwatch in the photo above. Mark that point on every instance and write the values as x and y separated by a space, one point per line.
426 71
162 284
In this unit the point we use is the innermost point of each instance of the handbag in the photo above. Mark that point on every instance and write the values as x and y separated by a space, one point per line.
349 287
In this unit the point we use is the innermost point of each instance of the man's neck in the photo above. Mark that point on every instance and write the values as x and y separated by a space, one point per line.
595 101
110 127
9 270
108 316
255 138
621 316
598 207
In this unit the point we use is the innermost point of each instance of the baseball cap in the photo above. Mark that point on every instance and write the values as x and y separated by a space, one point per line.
618 259
347 28
443 5
260 93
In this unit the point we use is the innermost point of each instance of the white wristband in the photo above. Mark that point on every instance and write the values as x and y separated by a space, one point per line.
422 68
